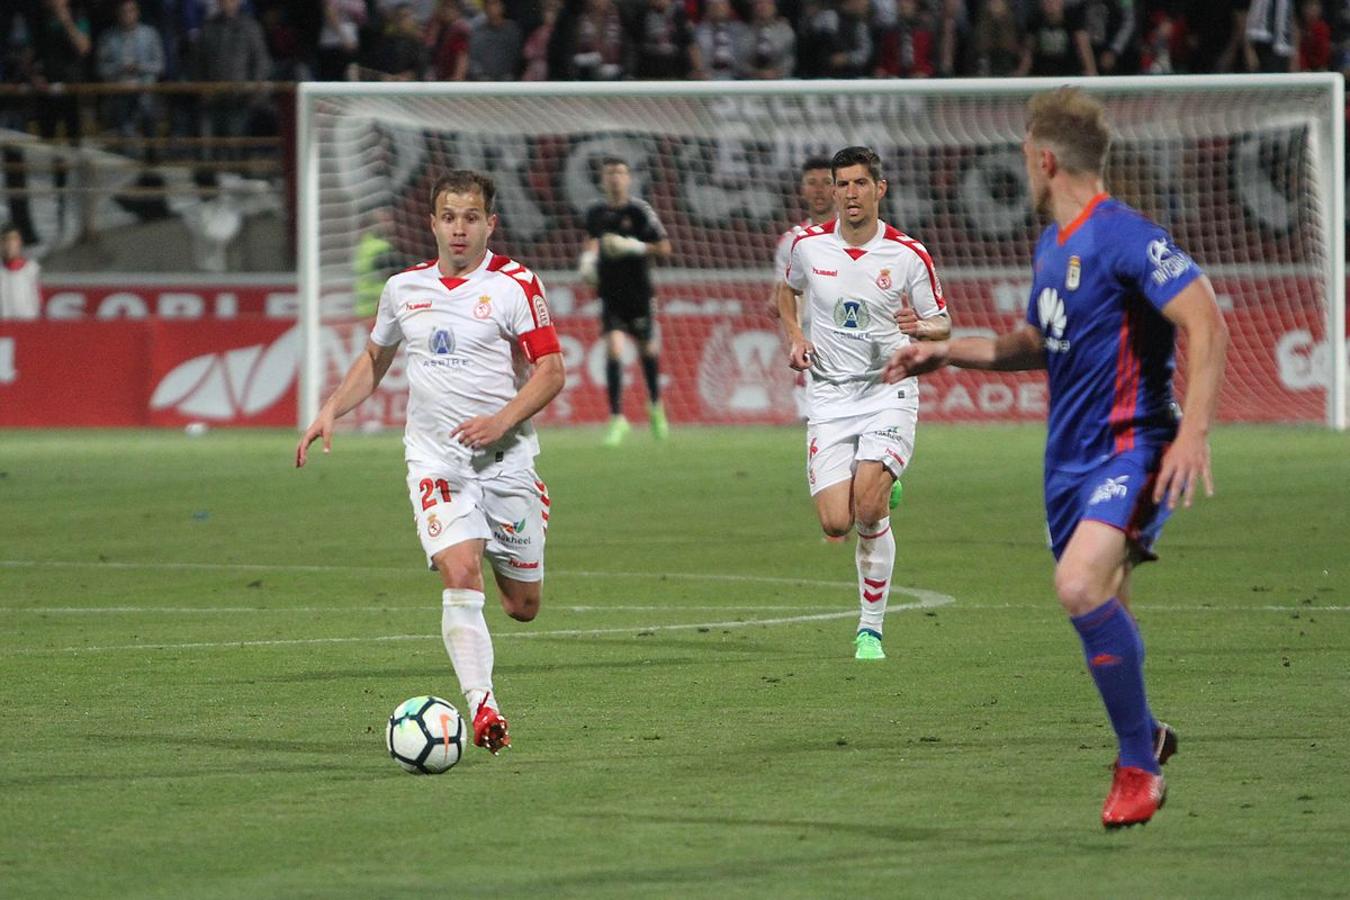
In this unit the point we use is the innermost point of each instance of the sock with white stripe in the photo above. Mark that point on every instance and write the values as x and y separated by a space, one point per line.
467 641
875 556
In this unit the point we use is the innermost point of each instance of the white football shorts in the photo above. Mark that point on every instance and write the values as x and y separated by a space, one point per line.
509 511
835 447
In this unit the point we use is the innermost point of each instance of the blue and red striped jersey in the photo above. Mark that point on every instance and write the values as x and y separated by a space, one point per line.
1098 290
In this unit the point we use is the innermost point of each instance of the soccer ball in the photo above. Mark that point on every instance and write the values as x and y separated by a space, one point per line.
425 735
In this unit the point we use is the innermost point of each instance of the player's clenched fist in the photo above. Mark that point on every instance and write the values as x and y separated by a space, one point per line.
801 354
915 359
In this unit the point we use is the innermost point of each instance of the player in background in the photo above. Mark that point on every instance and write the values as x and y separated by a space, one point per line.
624 235
472 320
20 296
869 289
1109 291
816 190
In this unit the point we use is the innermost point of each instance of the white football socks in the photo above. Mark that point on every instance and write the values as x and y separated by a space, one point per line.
467 641
875 556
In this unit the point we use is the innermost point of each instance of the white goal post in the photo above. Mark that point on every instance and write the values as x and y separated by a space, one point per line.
1246 171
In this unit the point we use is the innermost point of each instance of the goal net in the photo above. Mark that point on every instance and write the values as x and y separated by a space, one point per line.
1244 171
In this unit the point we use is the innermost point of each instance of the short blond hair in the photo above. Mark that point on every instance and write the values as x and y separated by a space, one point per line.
1074 125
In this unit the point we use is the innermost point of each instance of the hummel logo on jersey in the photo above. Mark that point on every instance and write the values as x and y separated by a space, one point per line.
1110 489
442 342
1050 308
410 307
828 273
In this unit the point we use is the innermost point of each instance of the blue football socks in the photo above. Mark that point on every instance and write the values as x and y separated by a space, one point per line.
1115 657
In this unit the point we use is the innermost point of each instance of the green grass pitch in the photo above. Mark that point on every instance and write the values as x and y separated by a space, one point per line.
199 647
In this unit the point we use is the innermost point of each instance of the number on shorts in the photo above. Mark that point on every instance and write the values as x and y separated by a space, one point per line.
428 488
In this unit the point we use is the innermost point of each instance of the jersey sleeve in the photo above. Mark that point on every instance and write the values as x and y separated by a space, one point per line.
530 322
593 228
781 255
1148 259
386 331
651 230
794 273
924 286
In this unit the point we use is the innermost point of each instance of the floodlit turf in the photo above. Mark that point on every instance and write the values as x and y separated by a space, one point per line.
199 646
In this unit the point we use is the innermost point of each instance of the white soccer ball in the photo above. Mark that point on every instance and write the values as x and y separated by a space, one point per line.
426 735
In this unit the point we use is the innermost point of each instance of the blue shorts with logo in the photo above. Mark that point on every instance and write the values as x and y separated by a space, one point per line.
1119 492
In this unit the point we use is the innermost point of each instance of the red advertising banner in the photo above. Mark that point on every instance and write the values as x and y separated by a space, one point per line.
124 360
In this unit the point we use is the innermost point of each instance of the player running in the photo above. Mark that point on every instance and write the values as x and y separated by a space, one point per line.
1109 290
869 289
470 318
624 235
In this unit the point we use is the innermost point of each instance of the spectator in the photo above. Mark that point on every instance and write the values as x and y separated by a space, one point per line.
232 49
535 51
1214 33
1270 36
588 42
1158 55
906 48
953 40
19 294
851 48
447 38
723 42
494 45
1314 38
340 39
1056 43
1112 28
423 11
661 43
773 43
997 42
131 53
61 49
402 54
815 34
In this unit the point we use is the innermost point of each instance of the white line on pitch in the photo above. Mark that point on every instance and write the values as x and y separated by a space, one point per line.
563 632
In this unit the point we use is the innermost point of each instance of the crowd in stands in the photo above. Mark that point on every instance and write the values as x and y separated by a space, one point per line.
137 41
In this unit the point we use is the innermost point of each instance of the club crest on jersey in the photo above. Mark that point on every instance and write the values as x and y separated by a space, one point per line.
1074 274
884 280
433 526
483 308
442 342
851 314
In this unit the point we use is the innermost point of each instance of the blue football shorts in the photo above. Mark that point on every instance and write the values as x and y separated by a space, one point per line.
1119 492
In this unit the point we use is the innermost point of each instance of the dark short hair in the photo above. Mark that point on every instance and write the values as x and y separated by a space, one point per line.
7 227
463 181
614 161
857 156
815 162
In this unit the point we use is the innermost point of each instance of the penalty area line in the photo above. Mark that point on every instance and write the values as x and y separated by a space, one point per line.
922 603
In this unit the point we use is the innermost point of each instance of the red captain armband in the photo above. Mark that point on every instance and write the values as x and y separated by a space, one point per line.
540 342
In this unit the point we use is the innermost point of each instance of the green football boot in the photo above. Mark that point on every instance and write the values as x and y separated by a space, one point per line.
618 430
660 427
867 645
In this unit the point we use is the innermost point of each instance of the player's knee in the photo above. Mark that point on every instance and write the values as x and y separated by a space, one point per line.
835 527
458 573
1078 592
522 606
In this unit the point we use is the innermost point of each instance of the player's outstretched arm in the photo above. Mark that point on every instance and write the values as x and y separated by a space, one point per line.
1186 463
358 384
1012 352
545 383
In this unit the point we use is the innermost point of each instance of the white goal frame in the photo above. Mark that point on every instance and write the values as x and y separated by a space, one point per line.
1328 141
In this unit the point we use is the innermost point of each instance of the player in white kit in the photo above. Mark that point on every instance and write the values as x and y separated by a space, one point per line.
816 190
869 288
472 321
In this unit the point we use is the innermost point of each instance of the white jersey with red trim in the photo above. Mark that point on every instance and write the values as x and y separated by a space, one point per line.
782 257
468 339
851 297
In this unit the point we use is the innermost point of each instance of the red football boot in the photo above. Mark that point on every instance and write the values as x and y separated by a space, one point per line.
1135 796
489 729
